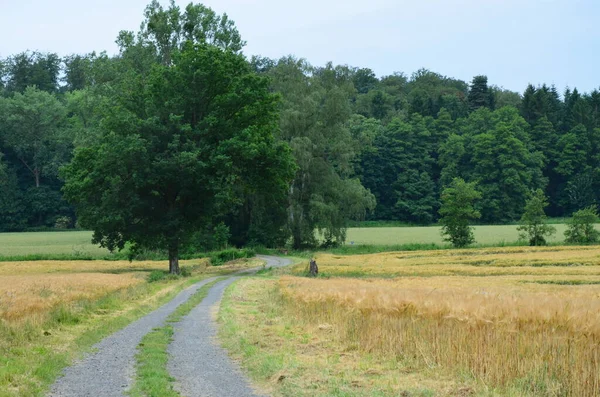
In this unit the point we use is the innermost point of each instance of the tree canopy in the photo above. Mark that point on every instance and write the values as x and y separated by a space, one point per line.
360 146
175 152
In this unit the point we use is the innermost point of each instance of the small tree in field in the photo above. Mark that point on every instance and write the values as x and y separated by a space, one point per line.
457 212
533 222
580 229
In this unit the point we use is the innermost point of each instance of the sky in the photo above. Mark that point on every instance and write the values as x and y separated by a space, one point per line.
513 42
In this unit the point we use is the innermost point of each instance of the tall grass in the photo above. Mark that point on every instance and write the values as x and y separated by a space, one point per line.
535 344
528 324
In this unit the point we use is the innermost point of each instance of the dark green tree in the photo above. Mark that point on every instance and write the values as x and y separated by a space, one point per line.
364 80
399 172
12 217
458 211
175 153
480 95
495 150
33 69
533 222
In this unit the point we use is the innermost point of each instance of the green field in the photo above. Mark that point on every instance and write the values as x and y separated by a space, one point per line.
487 235
78 243
50 243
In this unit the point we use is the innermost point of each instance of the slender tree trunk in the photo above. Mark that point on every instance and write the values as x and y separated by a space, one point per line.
174 258
297 240
36 174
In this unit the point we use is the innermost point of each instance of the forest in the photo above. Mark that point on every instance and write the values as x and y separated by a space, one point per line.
342 143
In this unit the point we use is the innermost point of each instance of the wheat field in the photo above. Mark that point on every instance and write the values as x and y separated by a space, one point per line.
525 321
29 291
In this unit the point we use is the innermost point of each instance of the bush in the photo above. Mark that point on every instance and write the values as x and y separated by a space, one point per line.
580 228
220 257
185 271
63 222
156 275
221 235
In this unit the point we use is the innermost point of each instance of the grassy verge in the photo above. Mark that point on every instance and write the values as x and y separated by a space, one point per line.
153 379
34 351
286 358
32 356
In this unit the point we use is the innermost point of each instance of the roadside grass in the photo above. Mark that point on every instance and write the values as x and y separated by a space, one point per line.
36 345
284 357
153 378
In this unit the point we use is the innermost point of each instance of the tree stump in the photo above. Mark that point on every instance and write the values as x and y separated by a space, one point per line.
313 269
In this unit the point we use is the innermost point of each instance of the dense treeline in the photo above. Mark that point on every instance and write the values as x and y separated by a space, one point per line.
363 146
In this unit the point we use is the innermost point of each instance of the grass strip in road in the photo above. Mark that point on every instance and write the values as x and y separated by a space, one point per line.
153 379
33 355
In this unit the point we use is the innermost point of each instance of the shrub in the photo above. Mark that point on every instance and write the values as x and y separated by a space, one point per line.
156 275
580 228
185 271
63 222
220 257
221 235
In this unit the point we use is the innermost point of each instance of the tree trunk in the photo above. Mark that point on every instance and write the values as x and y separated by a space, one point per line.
36 173
174 259
296 240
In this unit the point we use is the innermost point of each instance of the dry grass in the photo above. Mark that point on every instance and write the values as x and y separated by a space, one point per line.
44 267
287 357
499 316
29 291
32 296
550 261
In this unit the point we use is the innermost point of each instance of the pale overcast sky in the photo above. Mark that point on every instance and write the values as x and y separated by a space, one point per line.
513 42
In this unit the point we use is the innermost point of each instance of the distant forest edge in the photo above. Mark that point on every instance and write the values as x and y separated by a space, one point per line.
365 147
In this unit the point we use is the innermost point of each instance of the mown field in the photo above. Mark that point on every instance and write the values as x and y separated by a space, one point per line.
78 243
486 235
513 321
72 243
51 311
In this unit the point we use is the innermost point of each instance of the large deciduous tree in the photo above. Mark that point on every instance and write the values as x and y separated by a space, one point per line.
315 121
176 152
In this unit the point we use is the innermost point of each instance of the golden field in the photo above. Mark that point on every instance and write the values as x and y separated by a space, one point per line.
519 321
549 261
30 290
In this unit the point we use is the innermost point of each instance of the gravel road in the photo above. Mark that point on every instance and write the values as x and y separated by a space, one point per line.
201 368
110 370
